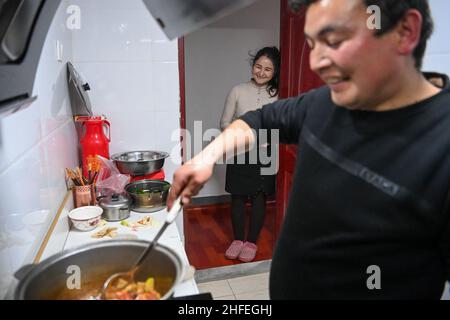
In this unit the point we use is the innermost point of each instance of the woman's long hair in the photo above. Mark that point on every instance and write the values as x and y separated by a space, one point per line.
273 54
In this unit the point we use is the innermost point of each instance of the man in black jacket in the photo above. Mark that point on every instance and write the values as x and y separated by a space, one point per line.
368 215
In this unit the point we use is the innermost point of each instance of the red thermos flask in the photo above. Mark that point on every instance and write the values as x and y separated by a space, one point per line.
94 141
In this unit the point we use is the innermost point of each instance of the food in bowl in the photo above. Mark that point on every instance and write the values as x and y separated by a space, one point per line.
148 195
125 290
86 218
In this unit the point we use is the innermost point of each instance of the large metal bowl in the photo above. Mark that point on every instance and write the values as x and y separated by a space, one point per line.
56 278
139 163
148 195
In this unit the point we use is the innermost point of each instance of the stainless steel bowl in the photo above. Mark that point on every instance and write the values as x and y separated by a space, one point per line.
94 263
148 195
139 163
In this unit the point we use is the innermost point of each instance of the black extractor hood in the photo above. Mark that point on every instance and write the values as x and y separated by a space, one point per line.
23 28
180 17
24 25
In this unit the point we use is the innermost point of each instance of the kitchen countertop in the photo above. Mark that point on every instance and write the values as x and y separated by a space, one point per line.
170 238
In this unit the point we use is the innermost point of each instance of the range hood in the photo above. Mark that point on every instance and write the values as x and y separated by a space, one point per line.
180 17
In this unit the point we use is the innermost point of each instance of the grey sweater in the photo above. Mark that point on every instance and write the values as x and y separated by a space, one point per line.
243 98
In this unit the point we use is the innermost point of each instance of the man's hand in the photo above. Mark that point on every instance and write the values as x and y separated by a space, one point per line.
188 180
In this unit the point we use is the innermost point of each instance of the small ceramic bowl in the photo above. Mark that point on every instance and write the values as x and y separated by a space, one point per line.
86 218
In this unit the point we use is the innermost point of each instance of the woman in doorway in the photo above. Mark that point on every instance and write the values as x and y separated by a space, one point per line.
244 181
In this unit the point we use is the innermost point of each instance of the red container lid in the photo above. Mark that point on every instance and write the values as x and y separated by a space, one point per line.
89 118
158 175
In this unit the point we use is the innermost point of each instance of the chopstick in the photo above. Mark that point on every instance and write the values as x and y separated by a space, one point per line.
94 177
72 176
78 179
80 175
75 176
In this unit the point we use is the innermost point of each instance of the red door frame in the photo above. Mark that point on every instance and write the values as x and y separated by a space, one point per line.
295 77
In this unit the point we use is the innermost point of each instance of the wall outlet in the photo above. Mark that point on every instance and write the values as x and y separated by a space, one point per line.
59 51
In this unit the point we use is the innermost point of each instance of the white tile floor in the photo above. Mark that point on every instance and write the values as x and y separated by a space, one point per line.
254 287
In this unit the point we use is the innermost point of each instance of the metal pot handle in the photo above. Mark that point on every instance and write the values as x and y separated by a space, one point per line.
24 271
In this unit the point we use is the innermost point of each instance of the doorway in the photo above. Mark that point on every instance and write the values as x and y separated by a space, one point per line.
284 28
213 60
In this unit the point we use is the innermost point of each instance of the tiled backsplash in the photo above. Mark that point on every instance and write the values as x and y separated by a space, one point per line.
36 144
133 72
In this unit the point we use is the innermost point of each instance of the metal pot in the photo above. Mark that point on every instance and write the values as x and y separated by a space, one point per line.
94 263
138 163
115 208
148 195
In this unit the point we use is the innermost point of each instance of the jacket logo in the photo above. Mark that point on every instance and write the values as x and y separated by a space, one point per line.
379 182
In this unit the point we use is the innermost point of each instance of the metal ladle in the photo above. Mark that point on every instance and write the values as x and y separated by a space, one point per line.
129 275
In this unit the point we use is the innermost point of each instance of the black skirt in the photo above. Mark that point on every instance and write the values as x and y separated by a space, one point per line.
247 180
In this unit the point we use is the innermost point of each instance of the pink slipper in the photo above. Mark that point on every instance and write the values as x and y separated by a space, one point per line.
234 249
248 252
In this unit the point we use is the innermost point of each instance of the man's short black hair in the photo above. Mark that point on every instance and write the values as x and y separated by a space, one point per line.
391 13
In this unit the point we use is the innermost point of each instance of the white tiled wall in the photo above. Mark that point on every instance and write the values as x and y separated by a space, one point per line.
132 70
217 58
36 144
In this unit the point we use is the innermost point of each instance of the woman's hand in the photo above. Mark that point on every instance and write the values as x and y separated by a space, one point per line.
189 179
